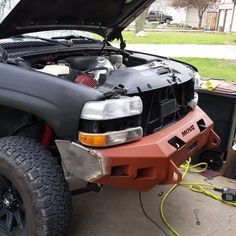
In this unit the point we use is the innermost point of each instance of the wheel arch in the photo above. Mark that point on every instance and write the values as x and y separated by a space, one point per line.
35 107
57 101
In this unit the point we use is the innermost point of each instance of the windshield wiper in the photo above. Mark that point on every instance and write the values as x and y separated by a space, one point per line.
43 39
69 37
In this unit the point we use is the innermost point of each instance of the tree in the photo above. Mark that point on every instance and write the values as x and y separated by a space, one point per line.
140 22
160 5
200 5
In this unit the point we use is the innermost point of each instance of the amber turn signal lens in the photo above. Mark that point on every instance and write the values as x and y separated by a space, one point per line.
92 140
111 138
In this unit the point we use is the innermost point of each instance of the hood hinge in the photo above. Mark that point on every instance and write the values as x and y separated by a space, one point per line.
122 42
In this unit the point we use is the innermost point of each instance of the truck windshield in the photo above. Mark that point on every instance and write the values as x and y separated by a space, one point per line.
60 33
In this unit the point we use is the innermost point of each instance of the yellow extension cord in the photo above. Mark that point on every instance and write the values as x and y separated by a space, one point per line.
196 187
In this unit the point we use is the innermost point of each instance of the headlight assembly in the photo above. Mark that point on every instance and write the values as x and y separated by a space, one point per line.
112 108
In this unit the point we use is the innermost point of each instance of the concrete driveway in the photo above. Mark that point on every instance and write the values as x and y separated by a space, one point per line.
187 50
117 212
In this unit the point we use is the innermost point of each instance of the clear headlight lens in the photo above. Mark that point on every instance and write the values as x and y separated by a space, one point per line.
112 108
197 79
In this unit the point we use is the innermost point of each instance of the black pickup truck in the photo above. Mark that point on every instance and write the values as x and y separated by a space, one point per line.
158 16
76 107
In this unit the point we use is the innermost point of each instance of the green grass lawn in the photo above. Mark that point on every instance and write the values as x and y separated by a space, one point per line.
214 68
179 38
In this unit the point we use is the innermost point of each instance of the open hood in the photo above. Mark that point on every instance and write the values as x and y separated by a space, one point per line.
105 17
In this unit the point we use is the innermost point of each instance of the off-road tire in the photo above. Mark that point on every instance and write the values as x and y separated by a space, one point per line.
40 181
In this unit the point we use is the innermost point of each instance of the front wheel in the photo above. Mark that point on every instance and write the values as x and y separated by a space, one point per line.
34 195
167 21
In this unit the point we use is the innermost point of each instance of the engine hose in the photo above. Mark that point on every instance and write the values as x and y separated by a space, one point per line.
47 136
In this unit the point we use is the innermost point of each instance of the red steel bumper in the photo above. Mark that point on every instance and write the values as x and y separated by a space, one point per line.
155 158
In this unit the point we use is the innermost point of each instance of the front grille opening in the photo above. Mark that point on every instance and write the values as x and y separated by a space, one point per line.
117 171
176 142
201 125
144 173
164 106
192 147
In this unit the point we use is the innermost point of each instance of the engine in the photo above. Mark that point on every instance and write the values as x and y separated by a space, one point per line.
91 71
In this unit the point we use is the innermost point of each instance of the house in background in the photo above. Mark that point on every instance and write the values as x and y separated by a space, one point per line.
211 18
184 16
227 16
187 16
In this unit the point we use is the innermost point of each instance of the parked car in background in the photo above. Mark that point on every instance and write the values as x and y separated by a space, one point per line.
159 17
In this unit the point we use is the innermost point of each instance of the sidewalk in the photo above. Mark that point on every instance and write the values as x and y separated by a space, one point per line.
187 50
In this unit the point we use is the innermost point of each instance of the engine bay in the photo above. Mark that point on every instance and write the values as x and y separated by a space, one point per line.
109 70
165 86
133 72
91 71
